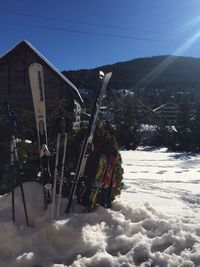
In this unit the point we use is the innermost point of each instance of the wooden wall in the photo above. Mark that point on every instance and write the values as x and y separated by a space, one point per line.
14 79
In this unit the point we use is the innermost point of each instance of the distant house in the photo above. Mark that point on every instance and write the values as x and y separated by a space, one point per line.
168 112
106 114
14 80
145 113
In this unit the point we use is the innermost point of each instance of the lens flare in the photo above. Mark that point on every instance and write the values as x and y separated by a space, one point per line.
168 61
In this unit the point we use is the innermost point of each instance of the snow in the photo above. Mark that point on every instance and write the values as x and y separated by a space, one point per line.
155 222
162 179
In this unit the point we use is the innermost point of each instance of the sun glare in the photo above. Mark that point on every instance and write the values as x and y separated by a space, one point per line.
169 60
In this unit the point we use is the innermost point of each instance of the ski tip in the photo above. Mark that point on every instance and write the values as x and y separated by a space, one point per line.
35 65
101 74
109 74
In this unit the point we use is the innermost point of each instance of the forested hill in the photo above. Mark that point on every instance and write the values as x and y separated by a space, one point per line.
156 72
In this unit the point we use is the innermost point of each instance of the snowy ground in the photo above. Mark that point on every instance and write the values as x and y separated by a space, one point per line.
155 222
170 182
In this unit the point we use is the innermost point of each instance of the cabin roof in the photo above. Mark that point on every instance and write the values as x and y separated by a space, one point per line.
165 105
74 91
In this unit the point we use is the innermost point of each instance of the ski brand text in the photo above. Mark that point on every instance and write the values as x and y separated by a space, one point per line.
40 86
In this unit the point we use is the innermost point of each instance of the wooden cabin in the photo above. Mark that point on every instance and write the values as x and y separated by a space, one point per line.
60 95
15 84
168 112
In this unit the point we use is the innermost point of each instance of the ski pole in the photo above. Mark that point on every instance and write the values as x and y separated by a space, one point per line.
55 176
16 158
62 174
12 180
14 162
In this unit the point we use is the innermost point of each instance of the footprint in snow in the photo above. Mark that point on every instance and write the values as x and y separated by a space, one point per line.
161 172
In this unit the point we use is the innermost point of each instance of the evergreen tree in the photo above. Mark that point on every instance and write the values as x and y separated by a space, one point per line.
184 131
195 129
127 123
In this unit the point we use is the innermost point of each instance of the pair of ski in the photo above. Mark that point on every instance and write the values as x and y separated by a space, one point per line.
56 175
84 153
103 182
36 76
107 184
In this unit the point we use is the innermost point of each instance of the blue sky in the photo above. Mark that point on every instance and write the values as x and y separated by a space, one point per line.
75 34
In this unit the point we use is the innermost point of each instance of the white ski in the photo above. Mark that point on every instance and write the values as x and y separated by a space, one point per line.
36 77
61 149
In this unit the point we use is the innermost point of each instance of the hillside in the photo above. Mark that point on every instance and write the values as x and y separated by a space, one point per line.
157 72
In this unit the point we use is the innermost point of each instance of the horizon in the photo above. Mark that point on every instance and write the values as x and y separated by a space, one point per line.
142 57
168 56
76 35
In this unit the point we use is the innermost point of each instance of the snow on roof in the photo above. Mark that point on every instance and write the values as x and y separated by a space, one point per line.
140 103
164 105
49 64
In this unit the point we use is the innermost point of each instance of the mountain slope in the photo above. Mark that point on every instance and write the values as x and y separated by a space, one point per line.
158 72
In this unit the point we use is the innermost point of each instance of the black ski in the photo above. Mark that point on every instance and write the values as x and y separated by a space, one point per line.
103 82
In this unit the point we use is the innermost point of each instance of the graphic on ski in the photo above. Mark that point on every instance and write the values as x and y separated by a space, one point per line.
109 191
107 182
101 170
37 88
103 82
15 166
36 77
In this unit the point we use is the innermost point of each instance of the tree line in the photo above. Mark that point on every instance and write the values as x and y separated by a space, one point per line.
183 134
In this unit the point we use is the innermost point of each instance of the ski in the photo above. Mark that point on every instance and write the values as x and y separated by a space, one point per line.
107 182
109 192
101 170
36 77
61 148
55 177
103 82
15 166
62 174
